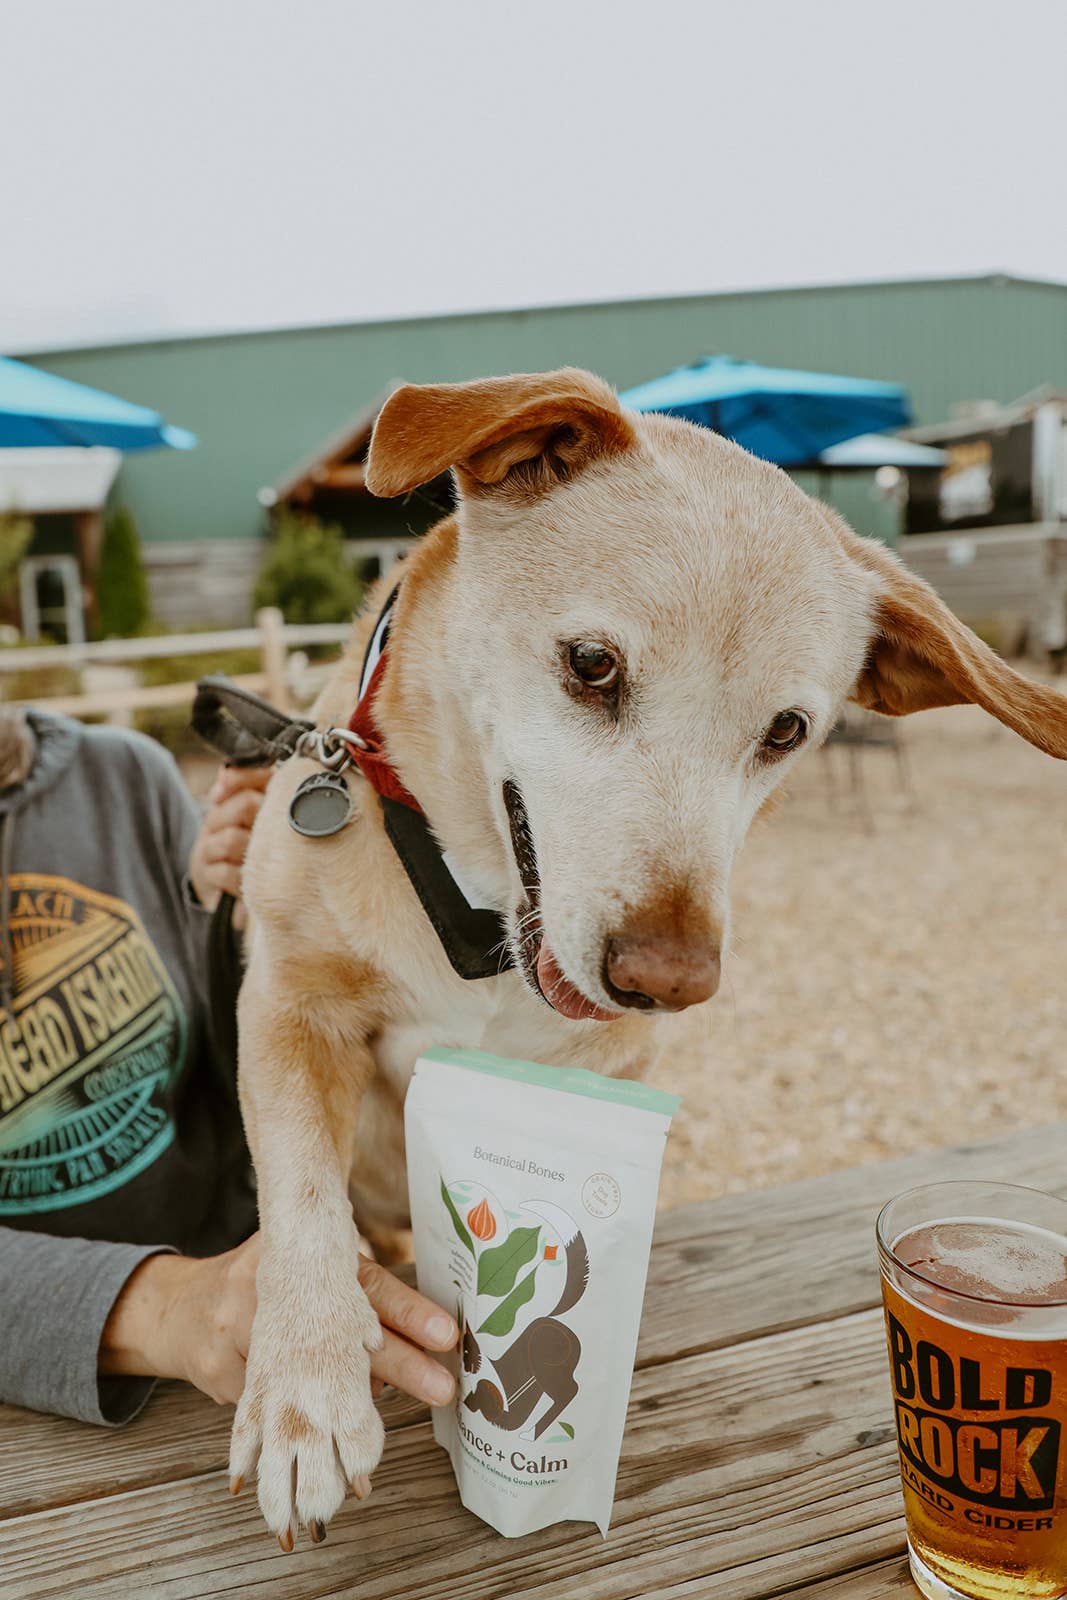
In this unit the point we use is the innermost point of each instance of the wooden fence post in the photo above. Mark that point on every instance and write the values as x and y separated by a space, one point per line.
271 625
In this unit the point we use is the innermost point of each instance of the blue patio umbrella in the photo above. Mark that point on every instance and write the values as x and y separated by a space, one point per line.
37 408
784 416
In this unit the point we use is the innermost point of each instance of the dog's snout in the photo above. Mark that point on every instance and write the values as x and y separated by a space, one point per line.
660 971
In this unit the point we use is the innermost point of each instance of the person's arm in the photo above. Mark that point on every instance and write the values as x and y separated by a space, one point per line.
56 1296
86 1327
184 1318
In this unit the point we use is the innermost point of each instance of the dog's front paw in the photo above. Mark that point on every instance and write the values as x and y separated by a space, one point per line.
307 1417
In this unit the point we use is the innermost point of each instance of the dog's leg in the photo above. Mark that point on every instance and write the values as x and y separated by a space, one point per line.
306 1412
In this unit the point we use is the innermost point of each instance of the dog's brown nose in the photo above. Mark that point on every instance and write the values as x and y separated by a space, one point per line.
665 972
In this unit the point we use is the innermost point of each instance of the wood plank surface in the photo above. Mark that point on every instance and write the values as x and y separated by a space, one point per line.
885 1580
758 1461
748 1457
739 1267
750 1264
51 1461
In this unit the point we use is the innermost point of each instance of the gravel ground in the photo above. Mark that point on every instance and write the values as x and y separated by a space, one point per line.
898 978
899 975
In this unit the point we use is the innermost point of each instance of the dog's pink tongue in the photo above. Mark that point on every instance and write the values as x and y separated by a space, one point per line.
562 995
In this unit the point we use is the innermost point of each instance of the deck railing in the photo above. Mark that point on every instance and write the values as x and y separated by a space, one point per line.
109 668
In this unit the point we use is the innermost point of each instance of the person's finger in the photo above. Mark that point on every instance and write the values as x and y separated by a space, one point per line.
229 780
412 1371
224 877
405 1309
237 810
226 844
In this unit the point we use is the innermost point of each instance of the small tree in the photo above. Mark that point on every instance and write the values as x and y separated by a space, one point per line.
122 586
306 572
15 534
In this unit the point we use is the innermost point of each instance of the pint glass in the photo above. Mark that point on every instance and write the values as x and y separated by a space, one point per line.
974 1279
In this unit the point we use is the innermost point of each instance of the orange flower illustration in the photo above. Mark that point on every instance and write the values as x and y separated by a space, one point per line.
481 1222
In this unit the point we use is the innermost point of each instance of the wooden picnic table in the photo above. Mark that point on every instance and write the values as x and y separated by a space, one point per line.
759 1456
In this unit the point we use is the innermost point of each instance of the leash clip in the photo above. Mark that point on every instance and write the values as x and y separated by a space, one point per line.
330 747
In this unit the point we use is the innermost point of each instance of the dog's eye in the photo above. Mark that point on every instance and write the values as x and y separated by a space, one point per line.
595 665
787 730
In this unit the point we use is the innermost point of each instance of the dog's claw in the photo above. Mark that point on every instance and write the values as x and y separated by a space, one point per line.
361 1486
286 1541
237 1484
317 1530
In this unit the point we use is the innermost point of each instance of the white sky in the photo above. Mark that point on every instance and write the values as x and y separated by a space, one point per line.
199 165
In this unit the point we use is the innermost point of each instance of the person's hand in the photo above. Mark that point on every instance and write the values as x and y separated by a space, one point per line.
411 1325
181 1318
219 852
177 1317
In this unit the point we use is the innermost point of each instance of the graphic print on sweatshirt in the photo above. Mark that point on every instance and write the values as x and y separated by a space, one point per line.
96 1038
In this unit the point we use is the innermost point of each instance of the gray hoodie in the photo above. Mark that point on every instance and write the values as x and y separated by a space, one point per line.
118 1135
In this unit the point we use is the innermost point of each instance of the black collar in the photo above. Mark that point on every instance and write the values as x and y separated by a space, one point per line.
249 732
473 937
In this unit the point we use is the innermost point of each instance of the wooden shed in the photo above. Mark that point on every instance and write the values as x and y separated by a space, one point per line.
989 530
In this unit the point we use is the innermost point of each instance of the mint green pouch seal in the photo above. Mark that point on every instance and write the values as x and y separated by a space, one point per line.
533 1197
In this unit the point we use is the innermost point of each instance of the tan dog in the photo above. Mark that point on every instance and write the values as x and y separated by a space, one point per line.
634 628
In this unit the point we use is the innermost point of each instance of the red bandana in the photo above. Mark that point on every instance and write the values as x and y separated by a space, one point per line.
369 755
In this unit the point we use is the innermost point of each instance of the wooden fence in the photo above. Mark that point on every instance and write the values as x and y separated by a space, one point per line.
109 669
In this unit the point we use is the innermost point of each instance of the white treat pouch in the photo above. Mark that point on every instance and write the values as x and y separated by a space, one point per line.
533 1196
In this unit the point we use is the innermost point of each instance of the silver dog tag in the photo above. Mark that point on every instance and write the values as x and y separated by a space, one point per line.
321 806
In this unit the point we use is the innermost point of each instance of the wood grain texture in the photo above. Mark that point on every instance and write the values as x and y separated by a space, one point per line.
737 1268
758 1458
752 1264
885 1580
50 1461
750 1457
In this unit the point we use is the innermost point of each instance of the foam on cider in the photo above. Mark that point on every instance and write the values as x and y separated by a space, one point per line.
989 1259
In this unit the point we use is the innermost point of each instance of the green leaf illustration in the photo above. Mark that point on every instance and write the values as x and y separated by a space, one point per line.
502 1320
568 1430
461 1233
499 1267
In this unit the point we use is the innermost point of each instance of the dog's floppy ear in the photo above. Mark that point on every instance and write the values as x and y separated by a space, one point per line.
557 421
921 656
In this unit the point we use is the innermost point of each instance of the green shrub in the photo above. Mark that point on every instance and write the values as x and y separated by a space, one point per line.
170 725
121 585
40 684
187 669
15 534
307 574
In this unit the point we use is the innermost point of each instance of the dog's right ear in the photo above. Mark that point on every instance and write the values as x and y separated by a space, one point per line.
920 655
549 423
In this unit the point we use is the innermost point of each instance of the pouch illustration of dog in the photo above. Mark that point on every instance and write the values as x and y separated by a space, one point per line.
542 1359
599 669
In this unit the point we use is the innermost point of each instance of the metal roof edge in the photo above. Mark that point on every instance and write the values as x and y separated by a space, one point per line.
342 439
1000 416
164 340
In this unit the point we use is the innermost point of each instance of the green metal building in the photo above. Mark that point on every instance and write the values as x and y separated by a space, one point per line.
260 402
